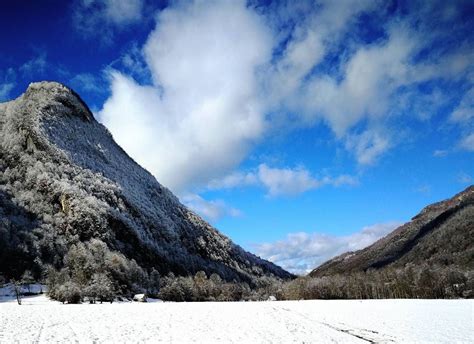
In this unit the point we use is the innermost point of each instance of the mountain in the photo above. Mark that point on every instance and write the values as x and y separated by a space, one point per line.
442 235
68 190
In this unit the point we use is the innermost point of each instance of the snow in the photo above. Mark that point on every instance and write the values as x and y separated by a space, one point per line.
381 321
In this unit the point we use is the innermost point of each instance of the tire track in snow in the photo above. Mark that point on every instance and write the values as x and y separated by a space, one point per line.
369 336
354 333
74 332
40 331
312 323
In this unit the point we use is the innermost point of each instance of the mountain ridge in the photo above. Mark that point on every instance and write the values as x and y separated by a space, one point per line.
72 182
450 221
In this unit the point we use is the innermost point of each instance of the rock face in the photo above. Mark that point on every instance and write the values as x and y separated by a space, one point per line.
63 180
441 235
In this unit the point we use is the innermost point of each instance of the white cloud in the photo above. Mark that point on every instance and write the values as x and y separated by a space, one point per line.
373 86
32 68
424 189
219 71
370 77
286 181
203 112
236 179
341 180
463 117
314 33
5 90
35 66
440 153
367 146
210 210
464 112
302 252
207 105
467 142
122 12
133 62
465 178
8 81
100 17
280 181
87 82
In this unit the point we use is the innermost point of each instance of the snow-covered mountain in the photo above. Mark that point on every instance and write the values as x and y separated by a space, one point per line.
64 180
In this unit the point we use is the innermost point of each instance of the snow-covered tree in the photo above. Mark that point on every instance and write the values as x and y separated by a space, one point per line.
100 288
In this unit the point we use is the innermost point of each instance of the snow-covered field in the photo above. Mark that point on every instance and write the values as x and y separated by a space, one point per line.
39 320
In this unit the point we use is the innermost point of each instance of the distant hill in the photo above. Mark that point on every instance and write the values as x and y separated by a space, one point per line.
70 194
441 235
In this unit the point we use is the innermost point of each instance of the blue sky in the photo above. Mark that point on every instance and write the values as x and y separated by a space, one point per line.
299 129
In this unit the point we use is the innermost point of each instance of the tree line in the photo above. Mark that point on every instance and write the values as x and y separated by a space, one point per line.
84 280
423 281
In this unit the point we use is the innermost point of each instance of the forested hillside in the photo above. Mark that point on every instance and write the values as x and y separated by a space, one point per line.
432 256
75 207
441 235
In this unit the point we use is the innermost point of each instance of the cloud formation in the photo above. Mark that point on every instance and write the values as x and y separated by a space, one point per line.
302 252
224 75
467 142
295 181
465 178
36 65
211 210
440 153
5 90
86 82
202 113
463 117
32 68
280 181
105 16
464 112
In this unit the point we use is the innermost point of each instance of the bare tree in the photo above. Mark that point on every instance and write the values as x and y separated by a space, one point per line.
16 286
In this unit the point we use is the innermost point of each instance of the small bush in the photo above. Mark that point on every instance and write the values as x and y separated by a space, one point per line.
69 292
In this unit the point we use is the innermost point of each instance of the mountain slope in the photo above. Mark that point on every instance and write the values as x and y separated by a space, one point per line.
63 180
441 235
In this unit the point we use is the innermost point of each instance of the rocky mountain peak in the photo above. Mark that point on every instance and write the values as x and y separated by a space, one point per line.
53 97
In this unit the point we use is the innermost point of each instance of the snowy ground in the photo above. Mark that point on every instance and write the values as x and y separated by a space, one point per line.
39 320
